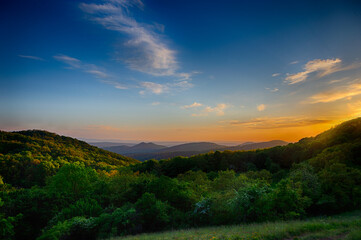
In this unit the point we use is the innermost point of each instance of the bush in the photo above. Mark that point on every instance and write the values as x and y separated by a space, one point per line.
153 212
122 221
248 204
77 228
56 232
286 201
82 229
83 207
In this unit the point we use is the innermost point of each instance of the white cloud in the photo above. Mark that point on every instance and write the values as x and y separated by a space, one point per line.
261 107
97 73
155 103
319 66
193 105
182 85
294 62
273 89
116 84
275 74
323 66
155 88
73 62
92 69
149 52
218 110
31 57
77 64
158 88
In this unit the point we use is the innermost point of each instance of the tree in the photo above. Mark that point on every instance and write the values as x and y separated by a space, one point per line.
73 180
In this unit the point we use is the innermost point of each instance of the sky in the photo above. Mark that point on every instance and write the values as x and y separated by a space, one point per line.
153 70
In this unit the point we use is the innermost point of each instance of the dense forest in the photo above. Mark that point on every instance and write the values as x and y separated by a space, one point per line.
55 187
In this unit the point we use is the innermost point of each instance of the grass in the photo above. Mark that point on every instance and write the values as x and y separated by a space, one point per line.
346 226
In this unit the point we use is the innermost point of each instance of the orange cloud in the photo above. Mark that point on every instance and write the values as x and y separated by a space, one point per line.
278 122
261 107
335 94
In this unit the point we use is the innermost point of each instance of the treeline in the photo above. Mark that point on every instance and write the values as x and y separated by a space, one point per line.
315 176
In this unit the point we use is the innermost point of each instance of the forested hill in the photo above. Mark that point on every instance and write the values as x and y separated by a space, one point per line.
341 144
28 157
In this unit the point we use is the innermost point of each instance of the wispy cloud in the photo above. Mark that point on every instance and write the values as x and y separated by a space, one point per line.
273 89
337 93
261 107
74 63
278 122
193 105
294 62
147 86
32 57
354 108
149 52
320 67
155 103
115 84
160 88
218 110
275 74
97 73
155 88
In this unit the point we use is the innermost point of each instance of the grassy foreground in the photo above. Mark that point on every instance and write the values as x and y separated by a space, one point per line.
345 226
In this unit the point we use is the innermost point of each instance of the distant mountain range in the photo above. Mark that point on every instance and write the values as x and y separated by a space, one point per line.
144 151
139 148
109 144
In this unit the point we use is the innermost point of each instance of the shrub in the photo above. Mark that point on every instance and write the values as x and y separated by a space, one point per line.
153 212
122 221
83 207
248 204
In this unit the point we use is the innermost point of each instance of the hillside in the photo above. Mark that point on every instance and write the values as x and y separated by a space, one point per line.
253 146
40 153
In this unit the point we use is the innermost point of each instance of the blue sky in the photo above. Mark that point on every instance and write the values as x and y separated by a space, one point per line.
180 70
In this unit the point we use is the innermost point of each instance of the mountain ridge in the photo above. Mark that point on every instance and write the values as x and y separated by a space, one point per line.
188 149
